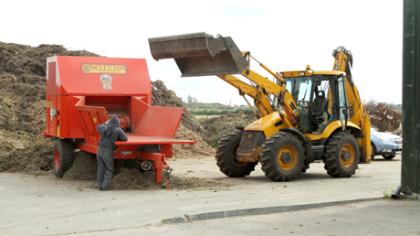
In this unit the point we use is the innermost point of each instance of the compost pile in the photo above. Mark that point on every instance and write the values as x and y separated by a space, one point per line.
22 99
22 95
217 126
385 117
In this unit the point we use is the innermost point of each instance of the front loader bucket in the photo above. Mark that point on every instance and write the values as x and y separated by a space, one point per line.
200 54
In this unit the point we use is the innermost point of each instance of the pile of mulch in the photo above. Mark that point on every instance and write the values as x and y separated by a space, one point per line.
22 99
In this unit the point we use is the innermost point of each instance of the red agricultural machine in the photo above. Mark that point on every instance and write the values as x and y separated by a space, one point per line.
83 92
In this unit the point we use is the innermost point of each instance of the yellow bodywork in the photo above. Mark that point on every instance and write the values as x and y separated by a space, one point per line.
267 124
330 129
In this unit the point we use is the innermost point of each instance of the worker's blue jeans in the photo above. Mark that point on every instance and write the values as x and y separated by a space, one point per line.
105 167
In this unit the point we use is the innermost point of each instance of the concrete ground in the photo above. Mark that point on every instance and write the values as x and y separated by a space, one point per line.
45 205
384 217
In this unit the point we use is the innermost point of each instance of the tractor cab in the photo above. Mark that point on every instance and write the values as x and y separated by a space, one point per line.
320 97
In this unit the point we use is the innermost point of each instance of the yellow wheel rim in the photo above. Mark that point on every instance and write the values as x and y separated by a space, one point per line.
347 155
287 157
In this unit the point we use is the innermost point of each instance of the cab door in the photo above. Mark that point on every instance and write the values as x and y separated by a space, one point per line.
343 112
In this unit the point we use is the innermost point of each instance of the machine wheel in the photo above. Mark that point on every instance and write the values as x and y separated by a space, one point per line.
341 156
373 154
226 153
283 157
63 156
389 156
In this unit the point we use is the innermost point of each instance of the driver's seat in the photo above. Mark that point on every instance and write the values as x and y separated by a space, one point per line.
319 104
318 108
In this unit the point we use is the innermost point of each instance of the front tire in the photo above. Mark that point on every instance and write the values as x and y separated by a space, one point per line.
283 157
226 155
63 156
341 156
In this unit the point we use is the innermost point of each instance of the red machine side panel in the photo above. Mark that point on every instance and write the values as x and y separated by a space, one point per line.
138 108
103 76
159 122
90 117
70 126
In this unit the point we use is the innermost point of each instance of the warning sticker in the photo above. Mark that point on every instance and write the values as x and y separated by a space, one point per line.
104 69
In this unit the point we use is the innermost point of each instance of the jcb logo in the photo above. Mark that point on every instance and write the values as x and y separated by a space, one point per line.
99 68
106 81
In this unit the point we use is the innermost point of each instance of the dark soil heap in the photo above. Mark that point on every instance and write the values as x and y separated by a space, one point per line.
22 99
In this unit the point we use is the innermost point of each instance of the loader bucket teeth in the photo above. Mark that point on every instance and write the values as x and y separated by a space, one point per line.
200 54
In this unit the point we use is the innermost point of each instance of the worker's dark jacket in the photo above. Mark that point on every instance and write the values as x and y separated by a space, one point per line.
110 133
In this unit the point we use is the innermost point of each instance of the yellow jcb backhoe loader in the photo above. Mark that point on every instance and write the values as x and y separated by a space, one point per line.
302 116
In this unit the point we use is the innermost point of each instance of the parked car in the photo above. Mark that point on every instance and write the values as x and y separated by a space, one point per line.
385 144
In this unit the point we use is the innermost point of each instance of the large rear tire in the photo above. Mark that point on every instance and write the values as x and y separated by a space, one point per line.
226 155
341 156
63 156
283 157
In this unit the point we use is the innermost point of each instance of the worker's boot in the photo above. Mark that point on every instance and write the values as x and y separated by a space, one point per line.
104 188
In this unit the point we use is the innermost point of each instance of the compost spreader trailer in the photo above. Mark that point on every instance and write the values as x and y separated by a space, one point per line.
83 92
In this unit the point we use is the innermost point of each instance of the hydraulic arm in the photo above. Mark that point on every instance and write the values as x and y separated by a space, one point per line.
344 62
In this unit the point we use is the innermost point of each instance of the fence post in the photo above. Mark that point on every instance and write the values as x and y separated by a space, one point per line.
410 167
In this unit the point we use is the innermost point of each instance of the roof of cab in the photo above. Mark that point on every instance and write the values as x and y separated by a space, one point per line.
289 74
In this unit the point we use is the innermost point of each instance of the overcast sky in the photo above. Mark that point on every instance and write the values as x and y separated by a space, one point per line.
285 35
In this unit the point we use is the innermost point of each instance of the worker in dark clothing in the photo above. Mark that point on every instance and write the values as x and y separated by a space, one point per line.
109 133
